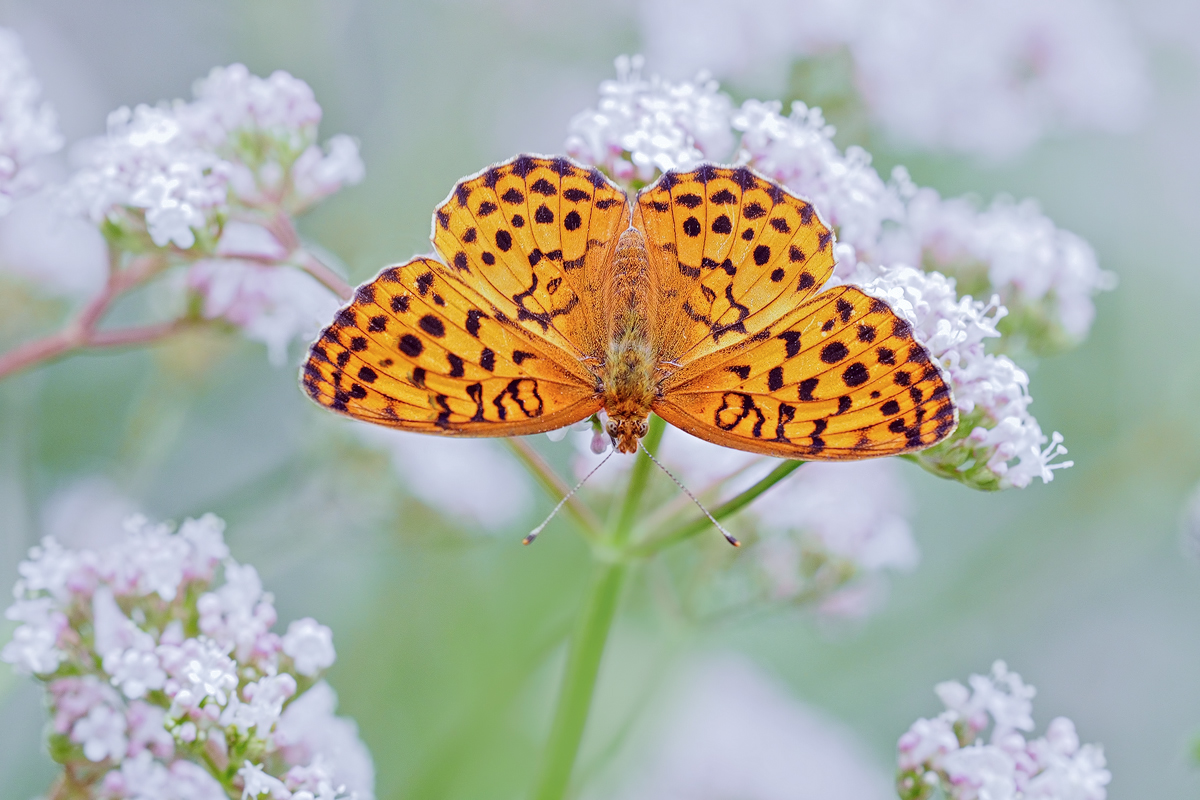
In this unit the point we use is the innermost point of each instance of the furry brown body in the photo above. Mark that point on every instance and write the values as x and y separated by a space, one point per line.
628 372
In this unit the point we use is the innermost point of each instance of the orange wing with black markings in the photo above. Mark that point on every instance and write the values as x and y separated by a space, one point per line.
413 352
755 358
732 252
843 379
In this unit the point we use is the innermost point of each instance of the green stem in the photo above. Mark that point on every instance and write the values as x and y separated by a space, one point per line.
591 634
726 509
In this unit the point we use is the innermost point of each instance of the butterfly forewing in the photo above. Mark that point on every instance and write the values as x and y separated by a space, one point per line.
412 351
536 234
842 379
732 253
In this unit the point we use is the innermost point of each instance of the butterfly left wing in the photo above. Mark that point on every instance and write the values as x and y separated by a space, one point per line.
413 351
844 379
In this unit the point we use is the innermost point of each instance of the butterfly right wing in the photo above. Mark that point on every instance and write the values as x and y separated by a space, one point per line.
413 351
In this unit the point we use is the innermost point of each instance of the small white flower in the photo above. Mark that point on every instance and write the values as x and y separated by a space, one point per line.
272 304
266 698
102 734
258 783
136 670
318 174
34 646
310 646
201 670
642 127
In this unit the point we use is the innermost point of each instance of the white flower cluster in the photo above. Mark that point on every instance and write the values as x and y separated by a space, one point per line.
976 76
948 753
890 232
244 142
28 126
205 182
641 127
991 392
173 685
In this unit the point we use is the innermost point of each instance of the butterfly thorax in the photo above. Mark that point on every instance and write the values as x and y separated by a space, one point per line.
628 372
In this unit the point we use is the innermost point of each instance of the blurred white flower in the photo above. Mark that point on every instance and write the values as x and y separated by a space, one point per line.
102 734
977 77
310 646
435 471
28 126
641 126
753 42
728 730
992 79
34 646
225 688
1037 268
271 304
309 732
60 254
948 751
88 512
829 528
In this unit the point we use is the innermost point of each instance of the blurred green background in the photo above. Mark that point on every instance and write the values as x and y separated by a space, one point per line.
448 638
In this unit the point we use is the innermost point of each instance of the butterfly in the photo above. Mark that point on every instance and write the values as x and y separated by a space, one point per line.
552 295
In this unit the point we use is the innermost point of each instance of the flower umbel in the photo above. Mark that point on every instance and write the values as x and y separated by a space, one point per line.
950 752
162 670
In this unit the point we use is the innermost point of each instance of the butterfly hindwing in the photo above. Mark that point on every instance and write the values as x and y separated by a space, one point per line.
732 253
843 379
412 351
536 234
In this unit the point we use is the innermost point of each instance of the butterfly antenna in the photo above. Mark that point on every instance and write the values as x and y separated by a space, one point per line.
729 537
533 534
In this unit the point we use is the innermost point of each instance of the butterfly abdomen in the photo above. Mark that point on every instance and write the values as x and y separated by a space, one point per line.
628 374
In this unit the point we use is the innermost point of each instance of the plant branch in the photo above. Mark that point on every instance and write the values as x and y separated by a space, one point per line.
81 332
330 279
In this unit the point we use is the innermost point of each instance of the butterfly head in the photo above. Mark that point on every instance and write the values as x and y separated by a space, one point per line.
626 431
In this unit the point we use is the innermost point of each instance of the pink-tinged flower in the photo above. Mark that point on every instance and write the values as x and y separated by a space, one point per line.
74 697
147 730
310 646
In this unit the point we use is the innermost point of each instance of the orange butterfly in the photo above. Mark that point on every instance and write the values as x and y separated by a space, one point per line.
550 302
